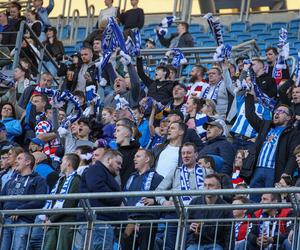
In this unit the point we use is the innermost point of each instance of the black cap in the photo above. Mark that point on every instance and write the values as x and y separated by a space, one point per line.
151 40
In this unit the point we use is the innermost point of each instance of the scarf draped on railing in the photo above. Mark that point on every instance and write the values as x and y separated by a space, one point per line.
59 99
165 24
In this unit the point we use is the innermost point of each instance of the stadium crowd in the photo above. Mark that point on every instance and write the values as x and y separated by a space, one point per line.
140 133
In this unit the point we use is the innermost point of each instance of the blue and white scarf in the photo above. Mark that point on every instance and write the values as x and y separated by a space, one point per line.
6 80
297 72
283 47
146 185
64 190
184 180
164 24
215 93
121 103
215 27
133 43
59 99
222 52
262 98
178 58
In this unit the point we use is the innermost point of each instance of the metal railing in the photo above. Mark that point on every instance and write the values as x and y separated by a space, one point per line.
74 26
180 221
43 51
90 19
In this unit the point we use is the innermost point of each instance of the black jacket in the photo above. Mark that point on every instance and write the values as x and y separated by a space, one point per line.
285 161
161 91
224 236
186 40
128 153
267 84
223 148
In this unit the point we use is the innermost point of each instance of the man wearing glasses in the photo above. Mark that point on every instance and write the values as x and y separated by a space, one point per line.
274 145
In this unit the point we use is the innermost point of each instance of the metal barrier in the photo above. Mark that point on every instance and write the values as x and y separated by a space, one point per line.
90 19
74 26
154 229
43 51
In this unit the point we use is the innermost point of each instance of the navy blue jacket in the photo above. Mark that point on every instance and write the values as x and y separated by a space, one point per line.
209 228
223 148
97 178
24 185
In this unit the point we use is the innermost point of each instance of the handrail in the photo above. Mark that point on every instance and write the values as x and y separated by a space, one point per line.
69 11
74 26
60 26
106 195
24 26
90 19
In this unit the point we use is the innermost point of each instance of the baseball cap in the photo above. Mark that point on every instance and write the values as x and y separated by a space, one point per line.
2 127
151 40
213 123
37 141
51 28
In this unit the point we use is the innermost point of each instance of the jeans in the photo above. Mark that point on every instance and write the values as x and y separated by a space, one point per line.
171 233
14 237
102 238
262 177
37 234
240 245
205 247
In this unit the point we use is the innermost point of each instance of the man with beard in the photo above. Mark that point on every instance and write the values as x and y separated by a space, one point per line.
271 57
274 145
198 84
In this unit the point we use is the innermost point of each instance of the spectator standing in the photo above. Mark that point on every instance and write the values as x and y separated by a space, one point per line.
62 237
132 18
25 183
34 23
275 144
181 39
100 177
197 82
43 12
109 11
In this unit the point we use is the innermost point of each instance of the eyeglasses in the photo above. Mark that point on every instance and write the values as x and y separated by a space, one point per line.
281 111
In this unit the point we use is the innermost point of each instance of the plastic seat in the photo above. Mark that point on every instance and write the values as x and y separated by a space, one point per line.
296 45
295 23
277 26
81 33
258 27
209 43
238 26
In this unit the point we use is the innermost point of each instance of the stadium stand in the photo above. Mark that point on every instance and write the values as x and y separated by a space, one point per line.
119 131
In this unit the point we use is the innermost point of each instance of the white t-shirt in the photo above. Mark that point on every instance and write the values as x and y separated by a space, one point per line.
168 160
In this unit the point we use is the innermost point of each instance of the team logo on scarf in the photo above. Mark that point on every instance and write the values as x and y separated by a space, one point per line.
165 24
215 27
283 47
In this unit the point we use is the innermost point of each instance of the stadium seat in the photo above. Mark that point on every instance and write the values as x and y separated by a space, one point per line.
295 23
238 26
263 36
196 28
236 33
258 27
297 45
208 43
81 33
70 49
243 37
271 40
277 26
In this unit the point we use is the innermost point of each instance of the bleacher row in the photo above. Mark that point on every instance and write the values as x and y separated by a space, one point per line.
265 34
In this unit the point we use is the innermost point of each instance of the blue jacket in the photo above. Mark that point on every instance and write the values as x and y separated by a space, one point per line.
24 185
144 130
223 148
13 127
95 179
44 12
137 182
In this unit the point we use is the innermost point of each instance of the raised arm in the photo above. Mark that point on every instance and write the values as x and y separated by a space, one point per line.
135 83
140 69
251 116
